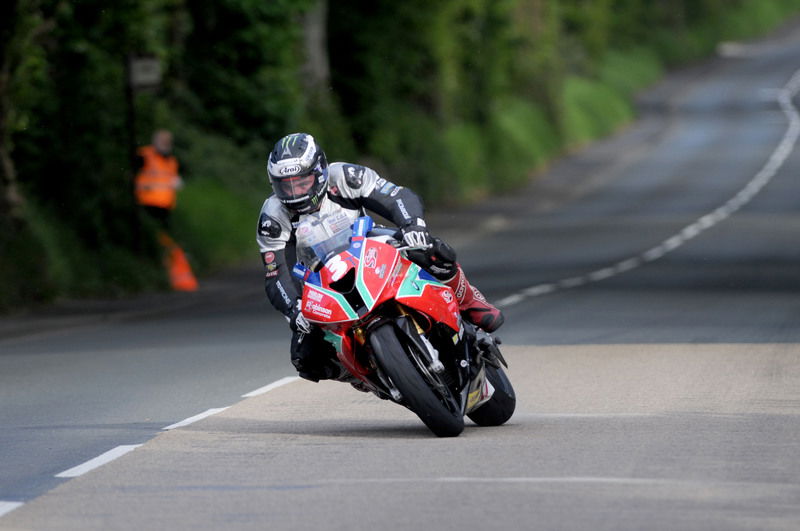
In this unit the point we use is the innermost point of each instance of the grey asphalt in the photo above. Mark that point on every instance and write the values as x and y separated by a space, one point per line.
665 397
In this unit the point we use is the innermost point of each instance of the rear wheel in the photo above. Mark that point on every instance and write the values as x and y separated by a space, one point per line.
501 406
439 413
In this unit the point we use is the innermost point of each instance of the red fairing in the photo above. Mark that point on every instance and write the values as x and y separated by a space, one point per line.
320 307
349 361
433 299
434 303
377 264
379 274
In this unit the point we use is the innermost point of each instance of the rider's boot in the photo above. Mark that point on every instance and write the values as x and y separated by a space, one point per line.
472 304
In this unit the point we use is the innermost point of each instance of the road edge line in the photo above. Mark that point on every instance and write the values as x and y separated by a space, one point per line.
274 385
98 461
771 167
194 418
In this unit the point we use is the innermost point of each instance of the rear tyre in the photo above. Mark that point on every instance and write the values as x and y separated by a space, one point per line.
501 406
417 394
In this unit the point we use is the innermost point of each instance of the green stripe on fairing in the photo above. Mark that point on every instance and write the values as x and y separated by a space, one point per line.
366 296
407 288
341 300
334 339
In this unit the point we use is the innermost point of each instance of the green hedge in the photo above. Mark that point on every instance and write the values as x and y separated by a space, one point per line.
456 98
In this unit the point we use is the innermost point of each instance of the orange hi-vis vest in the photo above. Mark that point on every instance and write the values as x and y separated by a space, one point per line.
158 180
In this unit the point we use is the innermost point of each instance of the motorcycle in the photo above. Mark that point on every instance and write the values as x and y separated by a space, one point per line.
396 329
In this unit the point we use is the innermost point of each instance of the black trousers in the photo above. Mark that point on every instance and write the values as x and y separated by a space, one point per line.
313 357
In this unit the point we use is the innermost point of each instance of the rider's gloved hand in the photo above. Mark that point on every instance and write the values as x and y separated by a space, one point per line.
442 257
439 260
416 233
298 321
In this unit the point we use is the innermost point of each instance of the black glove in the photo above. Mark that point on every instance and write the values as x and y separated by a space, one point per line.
416 234
298 321
439 259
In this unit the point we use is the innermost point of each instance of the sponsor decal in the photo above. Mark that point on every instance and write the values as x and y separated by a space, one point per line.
290 170
388 187
447 295
268 226
318 309
396 191
371 258
461 289
380 182
381 271
334 190
284 296
315 295
353 175
269 257
402 207
339 222
271 273
438 270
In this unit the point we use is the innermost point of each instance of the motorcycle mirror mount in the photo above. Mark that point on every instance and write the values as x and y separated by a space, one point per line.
304 274
362 226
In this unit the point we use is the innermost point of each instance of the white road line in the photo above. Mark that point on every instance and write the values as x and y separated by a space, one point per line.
122 450
556 479
775 162
274 385
8 506
508 479
98 461
195 418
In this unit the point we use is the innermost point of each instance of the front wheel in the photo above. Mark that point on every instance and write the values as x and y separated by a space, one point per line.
417 394
501 406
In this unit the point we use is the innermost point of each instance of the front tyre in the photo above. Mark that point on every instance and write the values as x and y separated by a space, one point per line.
417 394
501 406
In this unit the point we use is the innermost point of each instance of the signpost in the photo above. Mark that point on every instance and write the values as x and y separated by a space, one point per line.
141 73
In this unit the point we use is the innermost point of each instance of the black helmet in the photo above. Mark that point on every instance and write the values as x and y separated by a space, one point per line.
298 172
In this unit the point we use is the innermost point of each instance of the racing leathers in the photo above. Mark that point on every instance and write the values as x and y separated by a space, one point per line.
352 189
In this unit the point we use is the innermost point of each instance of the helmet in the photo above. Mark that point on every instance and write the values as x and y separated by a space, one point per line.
298 172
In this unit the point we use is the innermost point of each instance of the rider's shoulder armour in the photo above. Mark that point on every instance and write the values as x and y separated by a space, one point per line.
274 225
351 181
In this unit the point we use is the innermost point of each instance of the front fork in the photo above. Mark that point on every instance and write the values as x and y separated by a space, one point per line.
475 388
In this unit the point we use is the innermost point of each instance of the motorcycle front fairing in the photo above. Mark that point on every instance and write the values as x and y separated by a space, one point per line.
360 274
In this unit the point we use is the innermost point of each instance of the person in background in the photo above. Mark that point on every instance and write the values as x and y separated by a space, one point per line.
156 188
157 179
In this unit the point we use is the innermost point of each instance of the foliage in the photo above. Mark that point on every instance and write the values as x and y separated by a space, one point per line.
216 225
240 64
455 98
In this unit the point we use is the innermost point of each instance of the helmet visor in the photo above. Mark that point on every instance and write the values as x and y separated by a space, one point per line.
295 187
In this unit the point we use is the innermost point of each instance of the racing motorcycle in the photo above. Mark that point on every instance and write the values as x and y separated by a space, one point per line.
396 329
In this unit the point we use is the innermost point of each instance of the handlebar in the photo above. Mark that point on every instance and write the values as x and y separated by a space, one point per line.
397 241
384 231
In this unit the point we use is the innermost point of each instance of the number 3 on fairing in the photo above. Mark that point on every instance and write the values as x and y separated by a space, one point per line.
337 267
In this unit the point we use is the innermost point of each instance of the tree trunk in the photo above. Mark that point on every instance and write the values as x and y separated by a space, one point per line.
10 198
317 67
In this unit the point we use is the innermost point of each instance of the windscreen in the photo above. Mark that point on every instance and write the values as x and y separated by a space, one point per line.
321 237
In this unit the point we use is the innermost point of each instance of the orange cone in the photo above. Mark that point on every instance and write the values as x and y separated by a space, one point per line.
180 272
